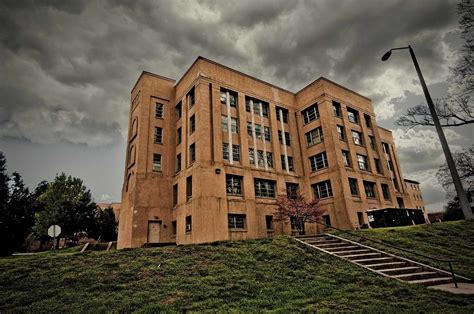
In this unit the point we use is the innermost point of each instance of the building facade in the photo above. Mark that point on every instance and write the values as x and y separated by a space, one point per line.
207 155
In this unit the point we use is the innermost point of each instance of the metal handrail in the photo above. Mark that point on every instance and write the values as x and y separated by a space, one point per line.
449 261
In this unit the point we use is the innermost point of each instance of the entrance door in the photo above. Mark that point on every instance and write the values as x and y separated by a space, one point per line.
154 231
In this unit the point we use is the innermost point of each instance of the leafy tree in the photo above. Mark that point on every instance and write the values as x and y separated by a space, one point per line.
3 182
453 210
295 206
105 226
457 109
67 203
464 161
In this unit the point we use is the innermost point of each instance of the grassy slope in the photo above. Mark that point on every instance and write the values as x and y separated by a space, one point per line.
447 240
277 274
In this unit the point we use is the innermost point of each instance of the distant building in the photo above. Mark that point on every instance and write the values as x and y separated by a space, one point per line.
207 155
435 217
115 206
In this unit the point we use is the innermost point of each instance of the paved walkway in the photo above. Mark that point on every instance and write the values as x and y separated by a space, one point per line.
463 288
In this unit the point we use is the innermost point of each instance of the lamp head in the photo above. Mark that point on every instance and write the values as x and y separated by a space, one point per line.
387 55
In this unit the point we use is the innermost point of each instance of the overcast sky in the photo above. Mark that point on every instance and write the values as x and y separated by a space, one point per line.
67 68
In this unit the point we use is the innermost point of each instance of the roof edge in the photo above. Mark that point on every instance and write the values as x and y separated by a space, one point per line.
151 74
322 78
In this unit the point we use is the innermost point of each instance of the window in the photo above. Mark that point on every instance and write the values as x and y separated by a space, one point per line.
296 223
256 106
234 124
264 188
287 138
192 97
314 136
192 153
156 162
357 138
336 107
175 194
173 228
390 165
318 162
178 163
260 158
192 124
385 191
267 133
326 220
292 190
322 189
236 221
258 131
386 148
284 112
251 156
363 162
310 114
378 165
372 142
189 224
233 184
369 188
368 122
341 132
189 187
158 110
232 97
353 186
395 184
291 165
269 222
158 135
353 115
346 158
178 136
179 110
270 159
235 152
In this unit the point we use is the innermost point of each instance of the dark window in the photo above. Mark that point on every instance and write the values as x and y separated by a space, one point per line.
267 133
192 153
341 132
192 124
385 191
346 158
296 223
234 124
322 189
378 165
189 224
264 188
291 164
256 106
258 131
175 194
235 152
353 115
386 148
369 188
236 221
284 112
395 184
314 136
269 159
178 163
159 107
372 142
363 162
189 187
336 107
292 190
192 97
158 135
260 158
353 186
178 136
269 222
179 110
156 162
357 138
318 162
232 97
287 138
390 165
173 228
310 114
368 122
326 220
233 184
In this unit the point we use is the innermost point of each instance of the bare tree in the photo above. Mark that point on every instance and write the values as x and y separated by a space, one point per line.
464 160
298 208
457 109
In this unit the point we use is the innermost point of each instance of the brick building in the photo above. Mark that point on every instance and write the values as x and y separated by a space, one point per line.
207 155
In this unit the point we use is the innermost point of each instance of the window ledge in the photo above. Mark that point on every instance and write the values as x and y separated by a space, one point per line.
237 230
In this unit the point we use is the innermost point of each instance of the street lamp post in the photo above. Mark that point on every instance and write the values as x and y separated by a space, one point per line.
466 207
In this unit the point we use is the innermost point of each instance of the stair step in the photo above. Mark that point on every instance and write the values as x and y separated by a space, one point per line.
401 270
342 248
363 256
331 245
374 260
388 265
433 281
352 252
418 275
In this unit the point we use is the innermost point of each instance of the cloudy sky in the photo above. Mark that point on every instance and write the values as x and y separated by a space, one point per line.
67 67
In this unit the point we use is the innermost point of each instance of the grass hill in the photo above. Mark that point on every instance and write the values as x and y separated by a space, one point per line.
270 274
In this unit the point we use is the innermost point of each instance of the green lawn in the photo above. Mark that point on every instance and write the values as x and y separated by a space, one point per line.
447 240
278 274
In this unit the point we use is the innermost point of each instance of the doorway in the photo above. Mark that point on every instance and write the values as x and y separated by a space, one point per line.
154 228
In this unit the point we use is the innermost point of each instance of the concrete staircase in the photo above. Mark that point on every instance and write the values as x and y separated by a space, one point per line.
382 263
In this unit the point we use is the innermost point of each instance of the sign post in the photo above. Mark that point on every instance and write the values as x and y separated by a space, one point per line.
53 232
